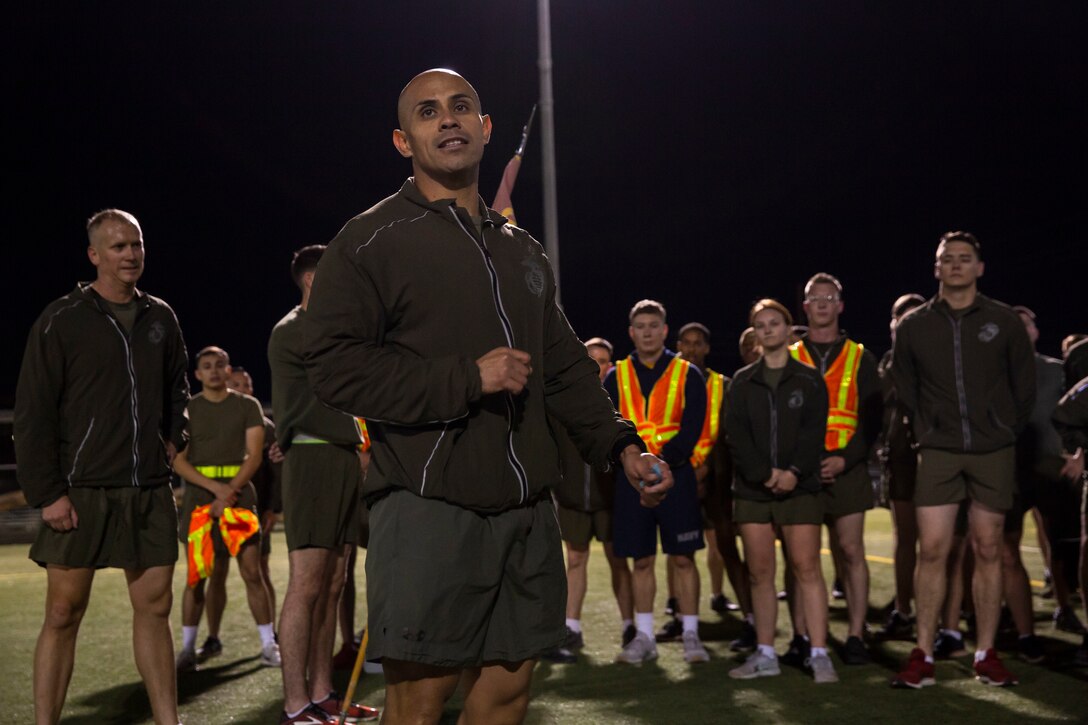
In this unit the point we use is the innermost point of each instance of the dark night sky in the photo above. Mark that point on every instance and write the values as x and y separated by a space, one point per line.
708 153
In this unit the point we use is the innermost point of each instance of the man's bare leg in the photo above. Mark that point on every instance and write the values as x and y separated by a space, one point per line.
192 604
1016 585
323 632
986 526
151 595
249 566
306 584
726 539
714 565
622 587
415 693
687 583
644 583
68 591
847 533
577 558
936 525
497 694
215 595
760 556
346 609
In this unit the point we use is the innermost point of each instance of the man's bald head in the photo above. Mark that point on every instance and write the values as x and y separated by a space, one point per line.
407 99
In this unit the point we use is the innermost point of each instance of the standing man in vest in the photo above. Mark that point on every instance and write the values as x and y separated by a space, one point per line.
436 321
99 414
855 408
665 397
964 370
226 447
322 483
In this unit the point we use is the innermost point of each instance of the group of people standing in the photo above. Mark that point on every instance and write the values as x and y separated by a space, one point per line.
429 372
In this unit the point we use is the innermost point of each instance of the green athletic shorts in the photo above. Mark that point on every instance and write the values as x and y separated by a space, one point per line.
902 472
196 496
578 527
124 528
851 493
322 483
451 587
802 507
946 477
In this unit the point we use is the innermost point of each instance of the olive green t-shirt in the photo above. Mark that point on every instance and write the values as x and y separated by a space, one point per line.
125 312
217 431
772 376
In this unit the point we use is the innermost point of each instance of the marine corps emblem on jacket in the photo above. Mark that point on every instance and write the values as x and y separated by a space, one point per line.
797 399
534 278
156 333
988 332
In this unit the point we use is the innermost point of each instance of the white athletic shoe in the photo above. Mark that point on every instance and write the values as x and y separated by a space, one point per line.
757 665
823 671
640 649
270 655
694 651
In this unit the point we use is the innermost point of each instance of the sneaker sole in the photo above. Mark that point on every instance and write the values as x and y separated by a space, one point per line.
622 661
924 682
696 659
756 674
996 683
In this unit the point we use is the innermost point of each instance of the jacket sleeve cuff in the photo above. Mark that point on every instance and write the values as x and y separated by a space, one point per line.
627 439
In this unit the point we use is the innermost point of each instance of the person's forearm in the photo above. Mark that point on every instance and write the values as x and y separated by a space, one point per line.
186 470
245 472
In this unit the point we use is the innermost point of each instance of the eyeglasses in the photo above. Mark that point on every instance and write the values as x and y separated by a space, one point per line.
821 298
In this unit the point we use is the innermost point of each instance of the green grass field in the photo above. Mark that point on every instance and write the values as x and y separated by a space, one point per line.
235 689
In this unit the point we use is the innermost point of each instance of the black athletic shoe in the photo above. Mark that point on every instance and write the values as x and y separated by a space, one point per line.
837 592
854 652
1080 657
212 647
720 603
1066 620
746 642
574 640
948 645
672 607
1031 649
671 632
560 656
1048 586
897 627
798 653
629 633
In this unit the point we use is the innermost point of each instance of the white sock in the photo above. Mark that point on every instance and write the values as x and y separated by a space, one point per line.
767 651
980 654
819 651
750 619
952 633
188 638
574 625
627 623
644 623
268 635
691 622
929 659
297 712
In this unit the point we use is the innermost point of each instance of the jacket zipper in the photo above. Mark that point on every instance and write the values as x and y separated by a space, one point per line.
586 474
961 389
508 331
135 416
773 398
423 484
75 459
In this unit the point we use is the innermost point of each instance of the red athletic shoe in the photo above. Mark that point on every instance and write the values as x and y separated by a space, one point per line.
356 712
345 658
312 715
990 671
918 673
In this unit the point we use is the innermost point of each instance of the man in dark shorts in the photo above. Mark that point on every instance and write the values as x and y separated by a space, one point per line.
322 482
99 414
853 425
665 396
583 502
436 321
964 371
1071 422
226 444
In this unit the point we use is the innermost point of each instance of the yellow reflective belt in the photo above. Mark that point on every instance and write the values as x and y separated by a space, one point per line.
304 438
218 471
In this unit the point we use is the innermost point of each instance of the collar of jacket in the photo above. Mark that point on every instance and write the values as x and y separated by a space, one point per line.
843 337
86 292
939 304
410 192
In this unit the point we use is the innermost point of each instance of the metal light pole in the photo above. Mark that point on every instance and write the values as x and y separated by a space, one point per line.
547 138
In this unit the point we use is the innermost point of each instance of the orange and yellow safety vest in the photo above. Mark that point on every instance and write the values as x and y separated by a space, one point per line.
235 526
658 418
715 391
842 392
364 434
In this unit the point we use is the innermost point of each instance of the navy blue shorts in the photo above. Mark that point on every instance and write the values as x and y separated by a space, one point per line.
634 527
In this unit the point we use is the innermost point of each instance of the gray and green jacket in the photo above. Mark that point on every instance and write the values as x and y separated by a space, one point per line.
405 300
95 404
966 378
298 412
781 428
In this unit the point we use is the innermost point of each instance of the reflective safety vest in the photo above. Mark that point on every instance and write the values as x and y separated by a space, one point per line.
657 419
360 428
715 390
364 434
842 392
235 526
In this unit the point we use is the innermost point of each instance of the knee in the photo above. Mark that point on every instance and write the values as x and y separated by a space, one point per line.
576 559
932 553
644 566
987 552
64 614
806 569
683 564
